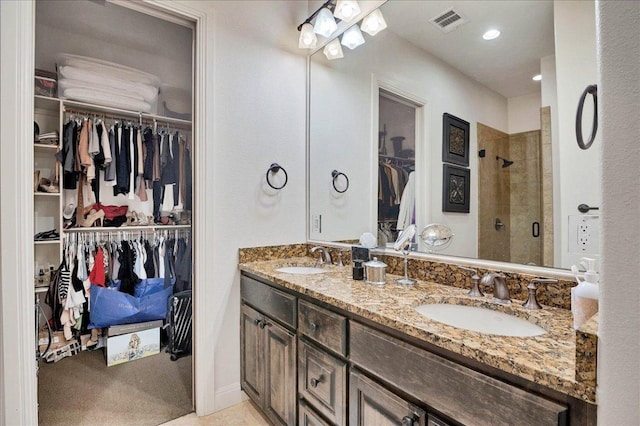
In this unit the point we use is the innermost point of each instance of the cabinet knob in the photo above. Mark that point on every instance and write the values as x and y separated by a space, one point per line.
256 321
408 421
315 382
313 326
262 324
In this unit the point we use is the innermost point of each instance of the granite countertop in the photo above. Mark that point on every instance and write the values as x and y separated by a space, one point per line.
548 360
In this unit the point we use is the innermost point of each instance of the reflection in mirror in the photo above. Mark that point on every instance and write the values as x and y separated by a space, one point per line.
404 243
436 237
526 173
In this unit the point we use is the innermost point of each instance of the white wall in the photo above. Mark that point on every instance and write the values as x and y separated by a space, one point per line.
579 171
343 110
258 118
619 98
149 44
524 113
256 77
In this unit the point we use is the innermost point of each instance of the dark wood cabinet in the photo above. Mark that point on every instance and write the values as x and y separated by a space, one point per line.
322 381
251 354
268 365
372 404
346 371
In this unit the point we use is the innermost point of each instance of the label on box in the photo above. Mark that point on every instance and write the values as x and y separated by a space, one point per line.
132 346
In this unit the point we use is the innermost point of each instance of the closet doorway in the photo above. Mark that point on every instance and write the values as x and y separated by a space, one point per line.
79 387
397 130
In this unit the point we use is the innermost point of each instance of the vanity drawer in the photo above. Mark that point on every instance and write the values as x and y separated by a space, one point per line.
274 303
325 327
307 417
322 381
465 395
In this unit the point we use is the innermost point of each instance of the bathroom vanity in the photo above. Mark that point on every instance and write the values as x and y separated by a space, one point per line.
323 349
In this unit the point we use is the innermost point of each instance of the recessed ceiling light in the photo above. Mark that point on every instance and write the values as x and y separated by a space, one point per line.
491 34
537 77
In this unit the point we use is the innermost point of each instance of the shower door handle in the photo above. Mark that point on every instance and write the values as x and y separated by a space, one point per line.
535 229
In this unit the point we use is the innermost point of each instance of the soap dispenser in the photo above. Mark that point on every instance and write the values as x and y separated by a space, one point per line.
584 297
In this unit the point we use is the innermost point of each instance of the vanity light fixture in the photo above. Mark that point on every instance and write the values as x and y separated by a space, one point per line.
491 34
352 38
346 10
325 24
308 39
537 77
373 23
333 50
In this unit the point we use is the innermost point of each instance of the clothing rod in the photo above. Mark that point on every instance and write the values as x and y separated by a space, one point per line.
130 228
144 121
93 109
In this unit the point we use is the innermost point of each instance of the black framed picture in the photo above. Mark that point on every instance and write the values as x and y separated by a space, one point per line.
456 182
455 140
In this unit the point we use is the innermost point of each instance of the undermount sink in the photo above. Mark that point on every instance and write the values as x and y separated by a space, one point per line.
301 270
482 320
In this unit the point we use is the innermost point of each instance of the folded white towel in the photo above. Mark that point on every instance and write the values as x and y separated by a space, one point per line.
110 68
103 79
104 98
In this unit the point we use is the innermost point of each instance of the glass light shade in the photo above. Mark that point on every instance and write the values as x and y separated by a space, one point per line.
352 38
307 38
346 10
333 50
325 24
373 23
491 34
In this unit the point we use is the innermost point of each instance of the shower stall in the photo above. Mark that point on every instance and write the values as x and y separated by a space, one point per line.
514 210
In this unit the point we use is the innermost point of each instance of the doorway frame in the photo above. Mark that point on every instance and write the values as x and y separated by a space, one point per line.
18 372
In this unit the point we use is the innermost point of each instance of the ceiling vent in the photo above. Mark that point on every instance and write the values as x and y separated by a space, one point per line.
448 21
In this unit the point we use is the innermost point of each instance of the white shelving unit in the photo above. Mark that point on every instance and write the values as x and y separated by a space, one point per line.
47 206
50 114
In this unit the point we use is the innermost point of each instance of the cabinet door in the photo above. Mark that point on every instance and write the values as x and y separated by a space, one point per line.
371 404
251 354
280 374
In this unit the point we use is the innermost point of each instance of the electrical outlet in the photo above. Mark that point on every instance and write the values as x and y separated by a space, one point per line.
584 234
316 223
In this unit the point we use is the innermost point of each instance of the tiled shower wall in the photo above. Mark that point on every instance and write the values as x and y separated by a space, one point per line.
494 199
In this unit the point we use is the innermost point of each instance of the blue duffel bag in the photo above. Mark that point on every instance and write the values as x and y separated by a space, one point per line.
109 306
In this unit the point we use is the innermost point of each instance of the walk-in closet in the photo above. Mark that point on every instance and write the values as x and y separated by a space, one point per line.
113 203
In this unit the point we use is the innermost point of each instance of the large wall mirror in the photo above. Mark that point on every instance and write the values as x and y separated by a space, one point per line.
524 174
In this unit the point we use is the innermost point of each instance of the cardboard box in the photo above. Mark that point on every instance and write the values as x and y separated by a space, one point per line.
131 346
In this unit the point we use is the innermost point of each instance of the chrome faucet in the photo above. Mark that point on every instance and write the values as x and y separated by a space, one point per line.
532 301
500 289
475 290
325 257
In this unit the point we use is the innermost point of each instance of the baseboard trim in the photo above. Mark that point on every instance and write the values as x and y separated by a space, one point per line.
228 396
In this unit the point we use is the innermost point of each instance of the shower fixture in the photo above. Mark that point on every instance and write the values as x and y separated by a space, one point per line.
506 163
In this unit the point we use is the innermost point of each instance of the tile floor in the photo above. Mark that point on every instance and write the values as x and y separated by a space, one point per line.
243 414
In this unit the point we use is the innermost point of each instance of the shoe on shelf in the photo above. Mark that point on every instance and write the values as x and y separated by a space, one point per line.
93 217
47 235
45 185
36 180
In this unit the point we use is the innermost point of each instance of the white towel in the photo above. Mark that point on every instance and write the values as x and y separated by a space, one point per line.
407 203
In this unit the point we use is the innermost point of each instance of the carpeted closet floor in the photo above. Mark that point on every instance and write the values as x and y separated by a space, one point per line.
82 390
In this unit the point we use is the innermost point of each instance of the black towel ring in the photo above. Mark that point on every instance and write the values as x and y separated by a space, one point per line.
275 168
335 174
591 89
